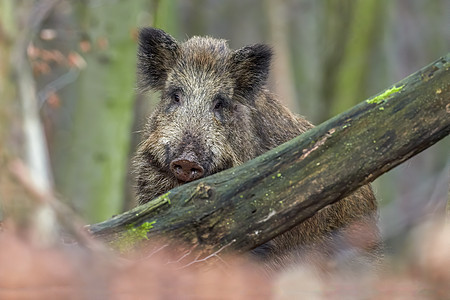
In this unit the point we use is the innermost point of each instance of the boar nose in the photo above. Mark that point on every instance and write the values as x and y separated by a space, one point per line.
186 170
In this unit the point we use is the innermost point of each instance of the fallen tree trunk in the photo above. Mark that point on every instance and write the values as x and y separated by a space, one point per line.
243 207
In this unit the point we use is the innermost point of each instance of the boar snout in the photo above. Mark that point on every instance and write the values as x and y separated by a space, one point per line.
186 169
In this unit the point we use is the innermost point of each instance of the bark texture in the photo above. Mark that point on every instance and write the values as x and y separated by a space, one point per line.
243 207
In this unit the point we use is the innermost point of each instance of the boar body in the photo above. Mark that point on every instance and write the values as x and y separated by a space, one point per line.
216 113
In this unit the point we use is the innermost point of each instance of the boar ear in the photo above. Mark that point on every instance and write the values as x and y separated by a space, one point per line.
157 53
251 66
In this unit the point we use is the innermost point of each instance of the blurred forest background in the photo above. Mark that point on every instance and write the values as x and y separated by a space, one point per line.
67 78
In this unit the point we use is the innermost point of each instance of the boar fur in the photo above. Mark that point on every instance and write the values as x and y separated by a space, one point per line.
216 113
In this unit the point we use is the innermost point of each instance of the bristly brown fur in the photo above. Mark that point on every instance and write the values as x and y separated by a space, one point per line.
216 110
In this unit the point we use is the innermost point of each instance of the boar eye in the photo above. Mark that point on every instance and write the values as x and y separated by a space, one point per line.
219 103
176 97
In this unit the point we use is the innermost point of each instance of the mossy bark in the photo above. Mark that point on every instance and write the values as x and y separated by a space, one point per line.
243 207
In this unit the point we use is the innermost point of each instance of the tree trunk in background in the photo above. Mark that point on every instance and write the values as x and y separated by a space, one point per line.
282 71
353 69
24 169
10 146
92 159
164 16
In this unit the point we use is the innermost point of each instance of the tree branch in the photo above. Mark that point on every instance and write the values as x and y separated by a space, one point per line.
248 205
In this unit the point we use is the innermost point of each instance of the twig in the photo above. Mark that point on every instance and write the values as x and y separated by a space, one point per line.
215 254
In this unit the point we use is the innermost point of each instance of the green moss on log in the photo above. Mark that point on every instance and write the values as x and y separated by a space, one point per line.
385 95
132 236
